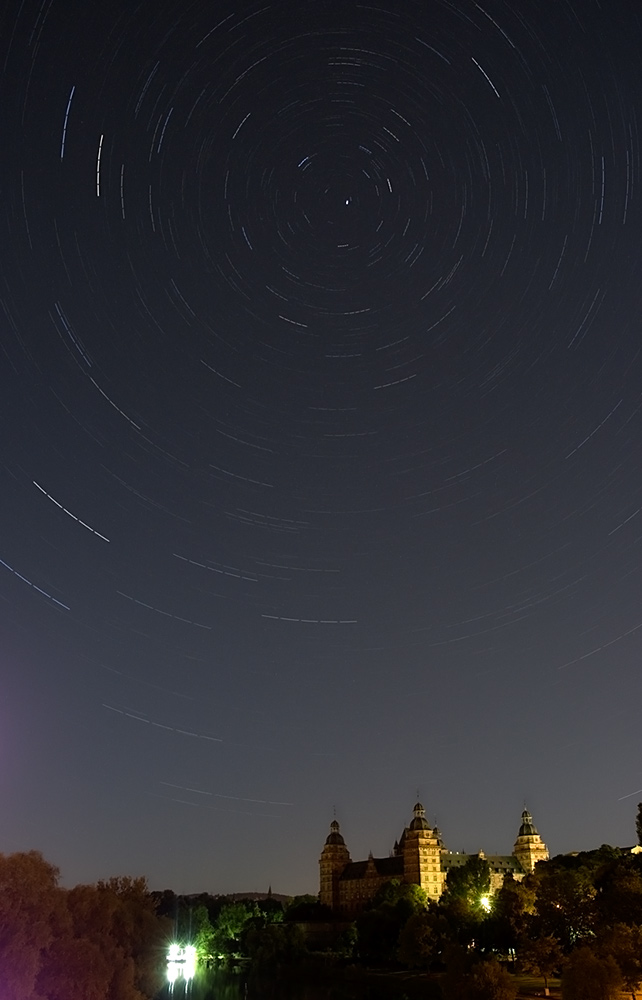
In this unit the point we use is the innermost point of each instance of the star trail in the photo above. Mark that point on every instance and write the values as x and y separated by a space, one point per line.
321 456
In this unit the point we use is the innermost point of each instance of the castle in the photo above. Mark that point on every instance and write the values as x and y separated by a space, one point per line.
419 857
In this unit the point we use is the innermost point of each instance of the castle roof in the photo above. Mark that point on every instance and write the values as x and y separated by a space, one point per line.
385 867
527 829
419 822
334 837
497 862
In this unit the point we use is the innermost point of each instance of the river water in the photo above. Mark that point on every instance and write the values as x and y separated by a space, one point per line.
215 985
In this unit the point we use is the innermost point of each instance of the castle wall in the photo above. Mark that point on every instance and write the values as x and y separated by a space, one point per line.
419 859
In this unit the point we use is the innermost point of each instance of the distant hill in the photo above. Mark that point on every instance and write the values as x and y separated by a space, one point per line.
237 897
256 896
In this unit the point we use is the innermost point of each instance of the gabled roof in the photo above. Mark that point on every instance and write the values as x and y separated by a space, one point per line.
384 867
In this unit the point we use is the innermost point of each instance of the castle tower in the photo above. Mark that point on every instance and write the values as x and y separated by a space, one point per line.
529 847
334 857
421 850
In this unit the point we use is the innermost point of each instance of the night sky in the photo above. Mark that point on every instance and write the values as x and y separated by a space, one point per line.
321 439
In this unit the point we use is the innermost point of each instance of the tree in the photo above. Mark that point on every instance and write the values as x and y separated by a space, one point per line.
461 921
565 904
100 942
272 909
139 935
587 977
229 927
75 968
109 946
395 891
463 902
624 944
378 934
489 981
306 908
275 945
346 943
619 892
417 941
542 957
509 919
31 910
203 934
471 882
638 824
379 927
485 980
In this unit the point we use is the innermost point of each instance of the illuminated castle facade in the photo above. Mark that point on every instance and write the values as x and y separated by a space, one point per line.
418 857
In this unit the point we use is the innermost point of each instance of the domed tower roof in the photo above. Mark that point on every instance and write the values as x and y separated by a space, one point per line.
529 847
334 837
527 829
419 822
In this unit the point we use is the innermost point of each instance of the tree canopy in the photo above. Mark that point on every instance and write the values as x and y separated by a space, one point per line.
101 942
470 882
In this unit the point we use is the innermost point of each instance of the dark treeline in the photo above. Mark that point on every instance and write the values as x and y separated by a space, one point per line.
95 942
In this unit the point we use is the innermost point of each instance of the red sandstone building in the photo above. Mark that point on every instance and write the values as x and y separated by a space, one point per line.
419 857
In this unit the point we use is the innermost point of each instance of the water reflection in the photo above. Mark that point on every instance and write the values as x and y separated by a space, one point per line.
203 984
213 984
181 966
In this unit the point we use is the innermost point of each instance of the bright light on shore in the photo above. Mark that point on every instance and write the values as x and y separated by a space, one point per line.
181 962
484 902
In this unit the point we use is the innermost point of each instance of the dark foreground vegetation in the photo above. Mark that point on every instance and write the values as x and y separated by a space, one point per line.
578 916
94 942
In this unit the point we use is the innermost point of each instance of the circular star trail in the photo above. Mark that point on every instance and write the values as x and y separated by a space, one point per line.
321 387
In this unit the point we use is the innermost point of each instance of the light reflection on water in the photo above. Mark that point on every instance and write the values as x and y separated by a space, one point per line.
181 967
214 985
206 984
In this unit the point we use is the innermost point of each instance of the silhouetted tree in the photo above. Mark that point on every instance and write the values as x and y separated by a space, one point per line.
485 980
379 927
275 946
229 928
542 957
565 904
512 910
395 891
471 882
461 903
587 977
32 910
418 942
99 942
619 891
624 944
488 981
306 908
